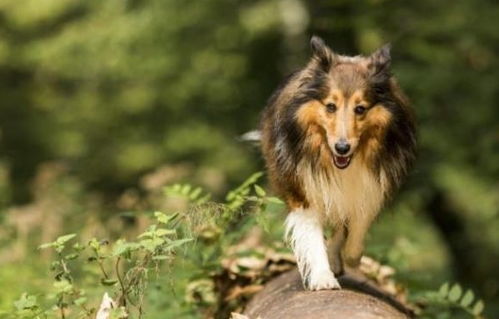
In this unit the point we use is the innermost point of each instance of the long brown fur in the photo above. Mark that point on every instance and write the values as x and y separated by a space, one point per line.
291 118
299 134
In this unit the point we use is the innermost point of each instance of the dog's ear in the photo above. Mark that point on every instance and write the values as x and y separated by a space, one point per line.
379 63
322 53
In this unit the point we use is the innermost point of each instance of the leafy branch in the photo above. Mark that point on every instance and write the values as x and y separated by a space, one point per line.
451 297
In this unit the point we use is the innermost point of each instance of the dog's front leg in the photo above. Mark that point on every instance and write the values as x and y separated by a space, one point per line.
354 245
304 233
334 247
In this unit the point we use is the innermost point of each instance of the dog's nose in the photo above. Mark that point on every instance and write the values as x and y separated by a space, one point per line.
342 147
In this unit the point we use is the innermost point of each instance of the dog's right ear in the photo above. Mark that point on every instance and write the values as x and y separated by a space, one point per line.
379 64
322 53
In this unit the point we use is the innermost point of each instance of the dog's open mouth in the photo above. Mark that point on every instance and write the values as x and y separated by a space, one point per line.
342 161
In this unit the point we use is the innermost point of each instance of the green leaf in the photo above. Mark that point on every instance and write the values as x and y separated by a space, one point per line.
243 189
467 299
165 219
94 244
108 282
455 293
259 191
78 247
185 189
195 193
149 233
25 302
161 217
275 200
58 248
262 220
63 286
444 290
478 308
46 245
122 247
80 301
152 244
145 234
203 199
253 199
236 202
164 232
63 239
252 179
71 256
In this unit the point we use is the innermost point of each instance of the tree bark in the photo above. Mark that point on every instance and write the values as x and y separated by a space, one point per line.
284 297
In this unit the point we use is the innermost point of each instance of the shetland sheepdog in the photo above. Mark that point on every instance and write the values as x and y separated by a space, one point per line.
338 138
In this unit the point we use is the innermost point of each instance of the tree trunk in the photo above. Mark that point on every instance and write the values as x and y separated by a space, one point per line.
284 297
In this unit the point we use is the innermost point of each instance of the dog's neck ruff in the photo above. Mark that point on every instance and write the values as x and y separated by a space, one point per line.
341 195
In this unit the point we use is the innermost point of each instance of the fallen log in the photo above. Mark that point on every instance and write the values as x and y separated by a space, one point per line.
284 297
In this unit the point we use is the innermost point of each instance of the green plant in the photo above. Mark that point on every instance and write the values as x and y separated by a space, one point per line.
123 266
247 199
449 299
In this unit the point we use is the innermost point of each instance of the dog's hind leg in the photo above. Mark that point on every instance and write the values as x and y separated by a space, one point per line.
334 246
305 234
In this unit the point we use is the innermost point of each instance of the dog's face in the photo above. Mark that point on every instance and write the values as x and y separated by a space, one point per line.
346 115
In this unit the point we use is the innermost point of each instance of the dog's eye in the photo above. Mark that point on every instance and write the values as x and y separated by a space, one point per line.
331 107
359 109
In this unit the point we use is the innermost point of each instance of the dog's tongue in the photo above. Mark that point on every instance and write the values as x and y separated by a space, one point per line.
341 160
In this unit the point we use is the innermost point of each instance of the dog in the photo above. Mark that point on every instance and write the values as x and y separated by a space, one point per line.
338 139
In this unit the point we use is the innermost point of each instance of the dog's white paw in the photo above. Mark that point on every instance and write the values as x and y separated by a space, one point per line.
323 280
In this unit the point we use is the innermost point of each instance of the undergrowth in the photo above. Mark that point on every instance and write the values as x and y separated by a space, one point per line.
201 234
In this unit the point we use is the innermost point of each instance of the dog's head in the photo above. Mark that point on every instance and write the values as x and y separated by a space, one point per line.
345 105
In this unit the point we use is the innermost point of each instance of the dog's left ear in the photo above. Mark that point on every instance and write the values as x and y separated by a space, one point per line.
379 63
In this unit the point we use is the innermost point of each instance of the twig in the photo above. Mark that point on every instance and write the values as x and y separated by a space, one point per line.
61 307
122 298
101 266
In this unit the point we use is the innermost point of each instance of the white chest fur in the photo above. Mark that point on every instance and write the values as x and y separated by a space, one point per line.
342 195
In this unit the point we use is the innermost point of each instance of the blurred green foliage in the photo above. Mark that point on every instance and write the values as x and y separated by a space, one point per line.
126 95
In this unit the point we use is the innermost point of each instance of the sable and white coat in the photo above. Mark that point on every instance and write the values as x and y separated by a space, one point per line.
338 139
